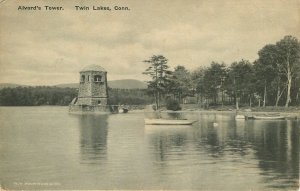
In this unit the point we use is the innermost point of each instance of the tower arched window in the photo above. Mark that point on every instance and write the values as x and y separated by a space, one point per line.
97 78
82 79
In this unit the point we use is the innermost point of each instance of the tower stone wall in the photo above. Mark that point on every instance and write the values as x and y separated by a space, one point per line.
92 86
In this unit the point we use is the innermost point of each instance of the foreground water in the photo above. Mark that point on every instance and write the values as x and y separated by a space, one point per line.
47 148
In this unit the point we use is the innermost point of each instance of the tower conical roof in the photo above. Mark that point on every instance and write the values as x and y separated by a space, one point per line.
93 67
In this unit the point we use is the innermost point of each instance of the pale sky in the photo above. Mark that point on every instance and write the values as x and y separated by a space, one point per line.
50 47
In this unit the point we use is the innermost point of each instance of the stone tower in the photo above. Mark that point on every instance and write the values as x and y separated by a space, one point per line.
93 86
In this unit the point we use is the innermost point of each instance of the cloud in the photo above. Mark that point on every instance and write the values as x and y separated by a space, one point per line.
179 36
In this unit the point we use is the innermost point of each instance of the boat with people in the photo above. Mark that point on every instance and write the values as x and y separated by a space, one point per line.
168 122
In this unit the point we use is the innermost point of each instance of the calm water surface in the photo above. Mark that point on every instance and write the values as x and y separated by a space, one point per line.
47 148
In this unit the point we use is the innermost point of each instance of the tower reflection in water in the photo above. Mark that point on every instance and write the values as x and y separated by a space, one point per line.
93 138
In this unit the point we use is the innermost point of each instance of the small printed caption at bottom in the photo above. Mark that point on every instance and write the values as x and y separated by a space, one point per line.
37 183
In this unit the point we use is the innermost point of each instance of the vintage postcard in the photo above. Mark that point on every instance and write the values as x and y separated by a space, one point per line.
149 95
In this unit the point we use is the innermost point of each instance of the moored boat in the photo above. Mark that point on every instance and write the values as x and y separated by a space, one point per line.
123 110
268 117
168 122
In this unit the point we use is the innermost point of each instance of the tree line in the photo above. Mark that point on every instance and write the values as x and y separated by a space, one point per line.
271 80
47 95
129 97
36 96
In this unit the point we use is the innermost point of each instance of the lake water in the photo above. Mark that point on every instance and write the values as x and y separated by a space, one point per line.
47 148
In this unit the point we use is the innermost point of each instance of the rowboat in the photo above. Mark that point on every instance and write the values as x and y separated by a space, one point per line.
268 117
168 122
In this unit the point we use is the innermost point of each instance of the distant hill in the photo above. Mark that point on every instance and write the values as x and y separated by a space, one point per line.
127 84
117 84
9 85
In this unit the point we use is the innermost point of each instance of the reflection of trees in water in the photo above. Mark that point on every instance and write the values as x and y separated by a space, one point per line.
278 152
227 137
93 137
212 141
167 142
275 144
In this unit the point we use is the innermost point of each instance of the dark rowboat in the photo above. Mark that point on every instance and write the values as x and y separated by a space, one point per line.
168 122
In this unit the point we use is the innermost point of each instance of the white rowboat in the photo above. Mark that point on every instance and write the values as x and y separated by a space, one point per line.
268 117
